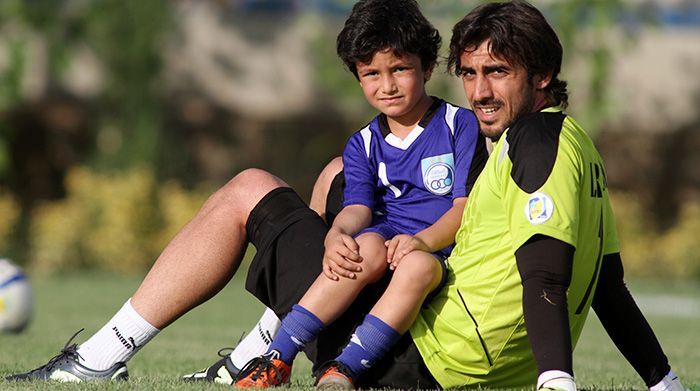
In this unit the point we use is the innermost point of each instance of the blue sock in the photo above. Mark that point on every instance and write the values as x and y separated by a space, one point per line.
371 341
298 328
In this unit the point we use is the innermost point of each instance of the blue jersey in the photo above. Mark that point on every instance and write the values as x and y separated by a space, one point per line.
409 184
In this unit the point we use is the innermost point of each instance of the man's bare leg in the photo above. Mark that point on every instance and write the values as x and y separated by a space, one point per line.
319 195
195 265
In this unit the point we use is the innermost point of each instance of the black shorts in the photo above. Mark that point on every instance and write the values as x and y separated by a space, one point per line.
289 239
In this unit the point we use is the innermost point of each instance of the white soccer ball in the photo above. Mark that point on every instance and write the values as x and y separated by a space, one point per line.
15 298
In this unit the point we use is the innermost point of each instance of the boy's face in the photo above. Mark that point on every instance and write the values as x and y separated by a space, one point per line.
499 92
395 85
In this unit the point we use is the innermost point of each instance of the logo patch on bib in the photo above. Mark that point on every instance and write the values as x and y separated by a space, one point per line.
539 208
438 173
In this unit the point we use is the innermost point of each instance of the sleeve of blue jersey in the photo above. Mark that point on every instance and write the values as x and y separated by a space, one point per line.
465 141
359 175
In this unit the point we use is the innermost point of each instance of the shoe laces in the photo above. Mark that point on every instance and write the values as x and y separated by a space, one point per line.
69 351
223 352
259 367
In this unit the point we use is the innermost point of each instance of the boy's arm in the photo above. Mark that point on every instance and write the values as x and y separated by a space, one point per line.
442 233
437 236
342 254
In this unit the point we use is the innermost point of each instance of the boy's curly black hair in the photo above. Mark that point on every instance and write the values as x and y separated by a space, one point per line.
376 25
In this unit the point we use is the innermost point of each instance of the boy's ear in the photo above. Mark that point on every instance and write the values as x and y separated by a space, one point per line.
428 72
541 81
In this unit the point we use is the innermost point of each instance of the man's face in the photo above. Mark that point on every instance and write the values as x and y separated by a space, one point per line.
499 92
394 85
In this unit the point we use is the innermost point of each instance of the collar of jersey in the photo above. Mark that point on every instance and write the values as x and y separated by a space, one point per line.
551 109
394 141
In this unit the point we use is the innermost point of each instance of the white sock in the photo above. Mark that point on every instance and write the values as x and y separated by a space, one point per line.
118 340
258 339
556 380
670 382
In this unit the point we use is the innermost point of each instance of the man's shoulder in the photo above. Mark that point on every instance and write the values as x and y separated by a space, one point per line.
533 143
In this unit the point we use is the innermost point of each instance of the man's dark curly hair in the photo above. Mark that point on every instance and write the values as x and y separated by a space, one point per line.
376 25
519 33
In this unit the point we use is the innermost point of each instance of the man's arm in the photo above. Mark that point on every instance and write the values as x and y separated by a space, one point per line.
625 323
545 266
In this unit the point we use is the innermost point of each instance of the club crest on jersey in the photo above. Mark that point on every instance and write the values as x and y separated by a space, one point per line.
539 208
438 173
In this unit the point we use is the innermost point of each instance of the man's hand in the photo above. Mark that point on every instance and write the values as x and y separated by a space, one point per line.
342 256
400 245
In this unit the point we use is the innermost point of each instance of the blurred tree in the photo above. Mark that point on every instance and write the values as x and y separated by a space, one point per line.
45 128
127 37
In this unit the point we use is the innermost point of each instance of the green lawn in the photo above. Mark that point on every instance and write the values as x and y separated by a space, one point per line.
64 304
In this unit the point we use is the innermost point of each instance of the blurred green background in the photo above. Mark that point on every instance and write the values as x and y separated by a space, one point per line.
119 117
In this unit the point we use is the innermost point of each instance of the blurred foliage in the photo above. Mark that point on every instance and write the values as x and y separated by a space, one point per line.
117 222
125 35
647 252
584 28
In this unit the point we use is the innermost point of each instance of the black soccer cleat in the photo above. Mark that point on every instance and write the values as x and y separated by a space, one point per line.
65 367
223 371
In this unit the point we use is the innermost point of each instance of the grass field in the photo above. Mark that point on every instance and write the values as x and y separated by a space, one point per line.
64 304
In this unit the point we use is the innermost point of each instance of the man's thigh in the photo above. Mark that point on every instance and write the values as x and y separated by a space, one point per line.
288 237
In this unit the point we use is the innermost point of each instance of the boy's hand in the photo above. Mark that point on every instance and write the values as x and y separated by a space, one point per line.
341 257
400 245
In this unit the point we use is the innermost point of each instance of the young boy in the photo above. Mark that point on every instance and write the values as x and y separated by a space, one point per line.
407 177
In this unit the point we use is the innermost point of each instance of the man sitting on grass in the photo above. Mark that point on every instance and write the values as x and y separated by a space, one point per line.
536 249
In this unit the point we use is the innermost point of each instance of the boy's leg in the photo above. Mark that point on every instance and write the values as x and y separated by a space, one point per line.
324 301
417 275
202 258
326 201
327 298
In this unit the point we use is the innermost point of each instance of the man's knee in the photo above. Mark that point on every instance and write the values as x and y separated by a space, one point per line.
333 167
243 192
319 195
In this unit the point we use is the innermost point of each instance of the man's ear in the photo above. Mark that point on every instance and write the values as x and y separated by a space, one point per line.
541 81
